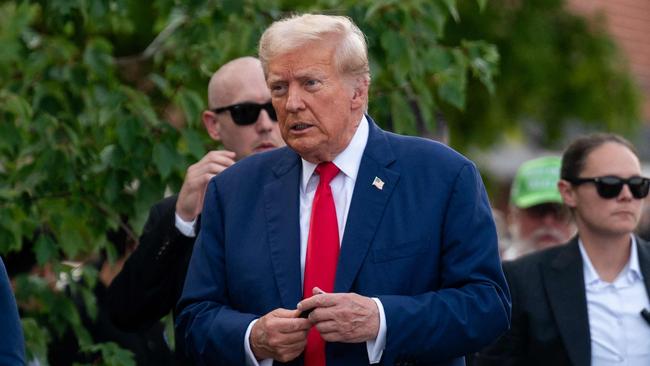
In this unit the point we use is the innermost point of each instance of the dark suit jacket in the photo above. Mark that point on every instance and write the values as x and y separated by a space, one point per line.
425 245
550 325
12 344
151 281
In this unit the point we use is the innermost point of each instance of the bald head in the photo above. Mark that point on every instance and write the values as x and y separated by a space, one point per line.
234 75
241 82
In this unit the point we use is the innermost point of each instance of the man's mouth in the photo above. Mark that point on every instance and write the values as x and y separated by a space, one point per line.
265 146
300 127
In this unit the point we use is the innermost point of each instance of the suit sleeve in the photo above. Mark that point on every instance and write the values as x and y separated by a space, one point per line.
151 281
470 306
209 330
509 349
12 346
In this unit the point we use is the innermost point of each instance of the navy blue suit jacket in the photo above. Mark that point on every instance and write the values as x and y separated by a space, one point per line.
12 345
425 245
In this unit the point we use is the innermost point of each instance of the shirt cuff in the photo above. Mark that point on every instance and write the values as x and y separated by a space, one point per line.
185 227
375 347
250 357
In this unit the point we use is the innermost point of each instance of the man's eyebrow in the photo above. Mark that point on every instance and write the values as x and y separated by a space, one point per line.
274 79
300 75
307 73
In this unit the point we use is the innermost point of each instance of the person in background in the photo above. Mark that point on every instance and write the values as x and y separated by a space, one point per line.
352 246
537 218
586 302
241 117
12 343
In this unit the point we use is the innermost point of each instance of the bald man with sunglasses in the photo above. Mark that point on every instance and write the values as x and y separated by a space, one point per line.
586 302
241 117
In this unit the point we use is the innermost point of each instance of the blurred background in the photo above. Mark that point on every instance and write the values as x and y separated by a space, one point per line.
100 105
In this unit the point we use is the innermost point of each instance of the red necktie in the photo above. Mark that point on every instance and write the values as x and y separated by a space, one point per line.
322 253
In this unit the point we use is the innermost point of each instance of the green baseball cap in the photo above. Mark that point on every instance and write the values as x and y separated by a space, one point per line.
536 182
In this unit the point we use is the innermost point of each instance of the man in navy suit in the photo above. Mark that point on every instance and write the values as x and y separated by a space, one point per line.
416 277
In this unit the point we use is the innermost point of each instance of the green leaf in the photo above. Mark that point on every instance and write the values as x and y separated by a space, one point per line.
89 302
162 84
453 82
36 340
18 106
97 56
45 250
165 158
395 48
451 6
483 61
481 4
192 106
194 143
402 114
377 6
112 354
128 129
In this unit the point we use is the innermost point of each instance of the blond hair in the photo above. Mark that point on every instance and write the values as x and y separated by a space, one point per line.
288 34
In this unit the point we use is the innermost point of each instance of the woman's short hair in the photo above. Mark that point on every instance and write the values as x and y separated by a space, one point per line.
285 35
575 155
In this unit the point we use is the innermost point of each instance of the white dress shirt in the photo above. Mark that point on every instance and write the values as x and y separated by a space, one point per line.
348 161
185 227
619 334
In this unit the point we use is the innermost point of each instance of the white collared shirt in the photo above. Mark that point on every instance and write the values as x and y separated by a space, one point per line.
619 334
342 186
348 162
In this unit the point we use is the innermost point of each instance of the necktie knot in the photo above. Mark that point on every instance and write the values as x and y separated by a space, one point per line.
327 171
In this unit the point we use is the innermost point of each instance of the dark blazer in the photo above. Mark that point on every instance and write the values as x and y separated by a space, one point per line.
151 281
12 344
550 325
425 245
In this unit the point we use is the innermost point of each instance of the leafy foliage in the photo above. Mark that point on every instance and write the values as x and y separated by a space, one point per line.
93 94
556 69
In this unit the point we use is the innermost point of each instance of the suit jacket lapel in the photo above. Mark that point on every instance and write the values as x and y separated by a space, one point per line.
643 248
367 206
564 283
282 209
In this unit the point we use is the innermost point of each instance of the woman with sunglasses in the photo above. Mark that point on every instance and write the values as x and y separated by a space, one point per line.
586 302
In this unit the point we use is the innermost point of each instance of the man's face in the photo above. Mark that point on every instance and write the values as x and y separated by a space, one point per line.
246 85
541 226
318 109
600 216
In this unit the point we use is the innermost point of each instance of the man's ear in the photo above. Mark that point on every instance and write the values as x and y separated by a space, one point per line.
360 93
212 125
567 192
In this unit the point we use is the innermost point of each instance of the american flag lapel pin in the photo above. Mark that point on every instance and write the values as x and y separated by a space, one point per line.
378 183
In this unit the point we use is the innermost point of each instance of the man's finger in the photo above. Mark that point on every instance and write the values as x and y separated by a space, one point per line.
294 325
326 327
220 155
317 301
285 313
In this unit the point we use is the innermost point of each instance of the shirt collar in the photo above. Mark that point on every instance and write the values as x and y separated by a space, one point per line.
632 269
348 161
635 267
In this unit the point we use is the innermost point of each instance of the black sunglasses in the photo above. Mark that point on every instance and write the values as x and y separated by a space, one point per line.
244 114
611 186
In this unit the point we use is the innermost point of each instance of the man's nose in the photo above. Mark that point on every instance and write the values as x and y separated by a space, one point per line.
294 100
264 122
550 217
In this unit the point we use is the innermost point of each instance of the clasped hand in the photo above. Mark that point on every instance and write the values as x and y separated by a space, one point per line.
347 317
